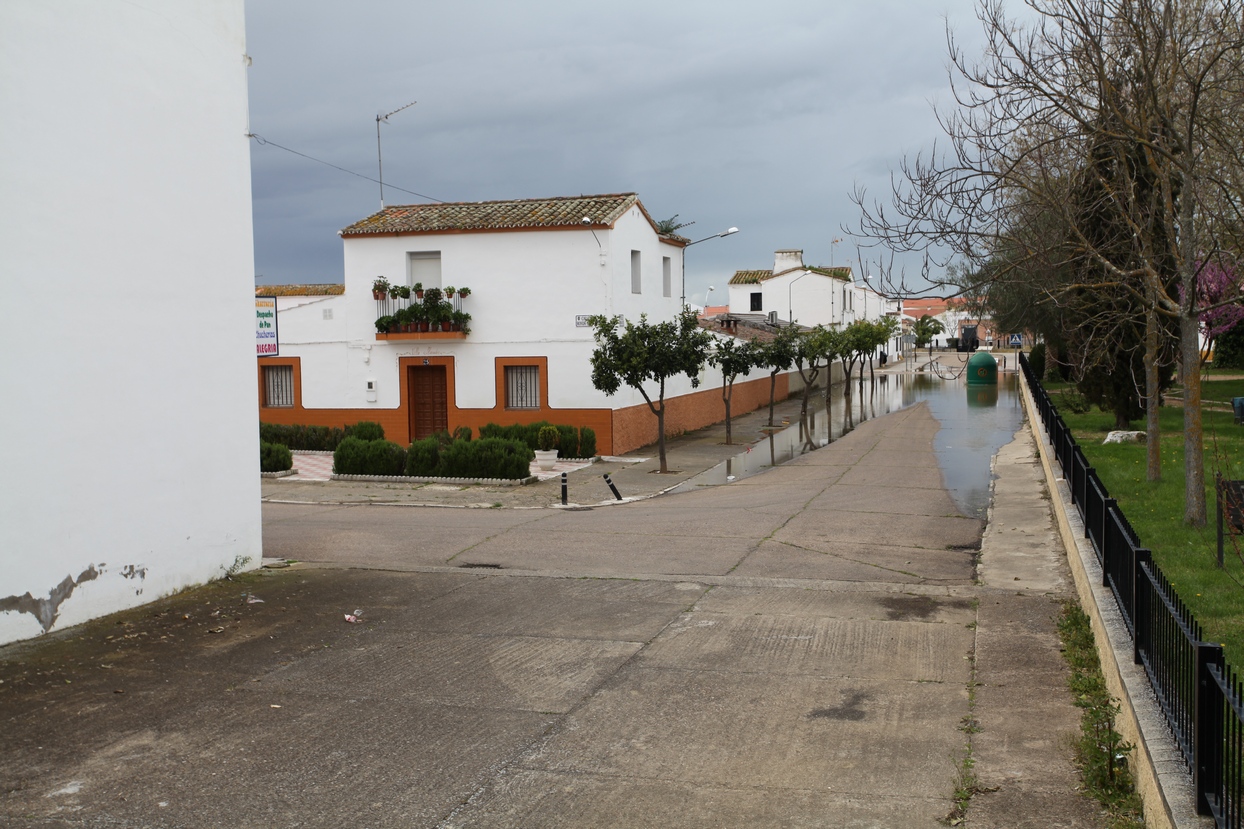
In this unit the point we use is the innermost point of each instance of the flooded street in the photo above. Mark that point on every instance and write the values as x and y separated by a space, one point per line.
975 422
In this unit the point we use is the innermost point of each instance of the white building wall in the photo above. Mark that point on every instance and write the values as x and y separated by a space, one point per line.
128 371
527 289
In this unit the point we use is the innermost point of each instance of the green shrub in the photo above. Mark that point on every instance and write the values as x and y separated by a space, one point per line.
1036 359
423 458
273 457
547 438
572 443
1229 348
587 443
321 438
385 458
486 458
366 430
350 457
462 433
568 441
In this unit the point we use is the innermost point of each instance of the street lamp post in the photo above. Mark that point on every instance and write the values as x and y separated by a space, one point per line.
706 296
724 233
790 307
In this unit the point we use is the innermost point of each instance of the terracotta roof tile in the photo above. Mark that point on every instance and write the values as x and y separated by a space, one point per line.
756 277
522 214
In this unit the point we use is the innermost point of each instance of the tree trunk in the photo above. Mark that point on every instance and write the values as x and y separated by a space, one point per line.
1194 458
661 430
726 391
1153 399
772 392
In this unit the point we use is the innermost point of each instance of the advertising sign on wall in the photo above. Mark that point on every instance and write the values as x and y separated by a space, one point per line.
266 341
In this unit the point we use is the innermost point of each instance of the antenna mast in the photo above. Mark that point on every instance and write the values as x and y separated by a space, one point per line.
379 157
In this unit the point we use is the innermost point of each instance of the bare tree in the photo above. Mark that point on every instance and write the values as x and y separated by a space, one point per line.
1118 124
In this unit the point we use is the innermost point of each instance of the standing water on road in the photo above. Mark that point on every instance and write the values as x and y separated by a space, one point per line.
975 421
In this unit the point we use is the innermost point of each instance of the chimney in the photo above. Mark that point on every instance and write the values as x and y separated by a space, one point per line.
785 260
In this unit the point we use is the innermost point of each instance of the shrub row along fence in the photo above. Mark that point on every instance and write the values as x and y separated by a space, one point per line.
1199 694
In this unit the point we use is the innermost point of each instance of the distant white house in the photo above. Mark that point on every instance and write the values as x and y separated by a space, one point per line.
131 460
794 292
536 268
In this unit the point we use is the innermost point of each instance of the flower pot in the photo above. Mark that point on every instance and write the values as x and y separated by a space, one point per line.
545 458
378 295
418 294
421 326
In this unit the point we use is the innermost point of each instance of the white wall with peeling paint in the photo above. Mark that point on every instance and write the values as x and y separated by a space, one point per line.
129 404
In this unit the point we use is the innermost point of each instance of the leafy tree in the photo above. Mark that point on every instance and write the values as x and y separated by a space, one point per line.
1096 109
926 329
812 348
777 355
632 354
733 357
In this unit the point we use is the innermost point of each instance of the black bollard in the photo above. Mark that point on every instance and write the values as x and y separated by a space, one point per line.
616 494
564 500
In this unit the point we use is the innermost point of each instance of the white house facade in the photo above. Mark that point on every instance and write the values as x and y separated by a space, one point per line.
794 292
131 469
536 269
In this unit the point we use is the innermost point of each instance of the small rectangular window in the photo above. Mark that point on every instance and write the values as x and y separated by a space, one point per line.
667 277
635 282
278 387
758 301
522 387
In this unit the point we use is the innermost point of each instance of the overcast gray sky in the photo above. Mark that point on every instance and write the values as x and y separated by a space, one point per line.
761 115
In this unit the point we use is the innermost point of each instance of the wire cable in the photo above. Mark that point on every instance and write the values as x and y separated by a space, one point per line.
263 141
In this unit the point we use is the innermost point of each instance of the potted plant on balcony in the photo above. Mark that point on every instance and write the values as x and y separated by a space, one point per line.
383 323
404 292
419 317
379 288
401 320
418 289
547 439
450 290
461 322
464 292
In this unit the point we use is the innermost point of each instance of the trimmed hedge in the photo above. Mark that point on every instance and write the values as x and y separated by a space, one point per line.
273 457
369 457
317 438
485 458
573 443
423 457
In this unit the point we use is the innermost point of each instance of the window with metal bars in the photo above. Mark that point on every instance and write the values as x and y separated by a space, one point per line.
278 386
522 387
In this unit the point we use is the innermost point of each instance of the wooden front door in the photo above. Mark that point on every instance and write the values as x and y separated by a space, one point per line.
428 401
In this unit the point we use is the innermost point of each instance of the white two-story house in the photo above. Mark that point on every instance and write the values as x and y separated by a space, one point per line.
794 292
536 269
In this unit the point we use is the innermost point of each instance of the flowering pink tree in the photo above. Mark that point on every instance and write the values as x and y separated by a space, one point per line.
1221 292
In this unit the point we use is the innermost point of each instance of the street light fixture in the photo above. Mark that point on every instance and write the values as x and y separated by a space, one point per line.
706 296
724 233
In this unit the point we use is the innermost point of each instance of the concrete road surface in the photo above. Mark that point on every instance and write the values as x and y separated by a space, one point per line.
805 647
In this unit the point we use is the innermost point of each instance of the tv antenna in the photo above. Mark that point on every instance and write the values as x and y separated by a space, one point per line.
379 157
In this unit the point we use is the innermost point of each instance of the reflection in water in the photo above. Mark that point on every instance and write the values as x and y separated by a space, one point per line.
975 423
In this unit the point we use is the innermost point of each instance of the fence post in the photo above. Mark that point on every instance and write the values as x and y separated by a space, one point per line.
1141 613
1103 533
1207 772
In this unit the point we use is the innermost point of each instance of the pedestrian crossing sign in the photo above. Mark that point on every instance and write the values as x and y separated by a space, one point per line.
1017 340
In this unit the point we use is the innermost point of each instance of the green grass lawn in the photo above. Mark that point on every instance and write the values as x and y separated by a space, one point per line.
1188 556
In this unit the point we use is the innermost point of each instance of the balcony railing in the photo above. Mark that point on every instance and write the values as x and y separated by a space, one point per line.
403 313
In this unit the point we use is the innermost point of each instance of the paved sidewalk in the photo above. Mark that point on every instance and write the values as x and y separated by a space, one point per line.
799 648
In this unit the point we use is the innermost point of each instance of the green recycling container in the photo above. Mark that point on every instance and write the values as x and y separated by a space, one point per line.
982 369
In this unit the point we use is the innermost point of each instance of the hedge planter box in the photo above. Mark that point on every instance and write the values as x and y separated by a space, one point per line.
414 479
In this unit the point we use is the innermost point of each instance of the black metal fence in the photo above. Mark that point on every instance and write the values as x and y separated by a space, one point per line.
1200 696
